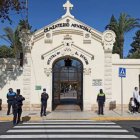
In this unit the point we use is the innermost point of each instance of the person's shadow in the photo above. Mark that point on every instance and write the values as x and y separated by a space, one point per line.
136 129
26 118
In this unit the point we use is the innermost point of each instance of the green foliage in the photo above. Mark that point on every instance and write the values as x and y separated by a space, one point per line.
23 24
124 24
13 36
6 52
6 6
135 47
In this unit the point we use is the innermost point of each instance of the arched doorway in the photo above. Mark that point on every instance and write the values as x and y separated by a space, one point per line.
67 83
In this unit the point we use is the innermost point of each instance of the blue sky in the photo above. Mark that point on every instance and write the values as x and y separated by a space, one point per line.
95 13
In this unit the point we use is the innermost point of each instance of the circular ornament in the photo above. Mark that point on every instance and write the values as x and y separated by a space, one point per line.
48 35
87 35
108 37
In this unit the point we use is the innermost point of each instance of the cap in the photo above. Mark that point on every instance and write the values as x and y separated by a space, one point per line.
44 89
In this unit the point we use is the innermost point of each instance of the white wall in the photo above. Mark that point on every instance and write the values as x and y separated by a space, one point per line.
10 77
40 78
132 79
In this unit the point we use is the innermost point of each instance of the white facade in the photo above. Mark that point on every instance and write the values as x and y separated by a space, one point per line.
70 37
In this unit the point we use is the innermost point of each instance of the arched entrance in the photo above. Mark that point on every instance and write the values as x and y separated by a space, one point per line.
67 83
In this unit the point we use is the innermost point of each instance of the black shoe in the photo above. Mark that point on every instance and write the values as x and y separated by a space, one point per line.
14 123
8 113
41 115
44 114
18 122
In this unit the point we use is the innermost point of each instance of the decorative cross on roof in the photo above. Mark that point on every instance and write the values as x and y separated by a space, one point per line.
68 6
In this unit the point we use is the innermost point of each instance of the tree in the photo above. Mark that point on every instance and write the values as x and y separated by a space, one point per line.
6 6
124 24
6 52
135 50
12 38
113 26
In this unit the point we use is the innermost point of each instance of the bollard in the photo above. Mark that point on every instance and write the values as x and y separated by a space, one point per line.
0 104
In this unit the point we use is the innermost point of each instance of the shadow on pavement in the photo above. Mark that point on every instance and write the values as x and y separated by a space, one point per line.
26 118
136 129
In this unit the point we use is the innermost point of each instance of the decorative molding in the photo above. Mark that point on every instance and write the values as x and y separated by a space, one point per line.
48 71
68 31
67 40
108 40
87 71
48 41
48 38
67 49
86 41
67 37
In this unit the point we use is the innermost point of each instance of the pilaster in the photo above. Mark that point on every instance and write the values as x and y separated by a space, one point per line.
108 73
25 38
108 40
27 79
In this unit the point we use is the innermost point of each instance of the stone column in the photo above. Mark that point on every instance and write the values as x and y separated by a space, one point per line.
27 79
25 38
108 40
108 73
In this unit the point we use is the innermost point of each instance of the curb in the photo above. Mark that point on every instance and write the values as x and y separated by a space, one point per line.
115 118
103 118
23 119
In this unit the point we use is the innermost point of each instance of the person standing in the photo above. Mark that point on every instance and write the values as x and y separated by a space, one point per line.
138 102
135 96
44 98
10 98
17 107
132 105
101 102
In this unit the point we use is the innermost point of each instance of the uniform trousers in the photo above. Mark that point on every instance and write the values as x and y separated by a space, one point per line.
43 108
9 107
101 108
17 114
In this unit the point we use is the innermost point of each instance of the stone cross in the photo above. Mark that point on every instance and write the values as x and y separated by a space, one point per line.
68 6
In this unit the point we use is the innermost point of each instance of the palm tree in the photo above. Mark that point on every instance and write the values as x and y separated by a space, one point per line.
124 24
12 38
23 24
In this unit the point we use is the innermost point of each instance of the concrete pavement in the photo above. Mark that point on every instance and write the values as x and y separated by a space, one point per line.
72 115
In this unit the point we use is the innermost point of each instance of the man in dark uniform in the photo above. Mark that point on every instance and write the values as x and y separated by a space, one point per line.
10 98
17 107
44 98
101 101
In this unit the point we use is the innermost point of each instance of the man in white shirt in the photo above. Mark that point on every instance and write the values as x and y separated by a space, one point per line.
135 96
139 102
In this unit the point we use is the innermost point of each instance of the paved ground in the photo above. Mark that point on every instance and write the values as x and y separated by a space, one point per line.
72 130
72 111
68 115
